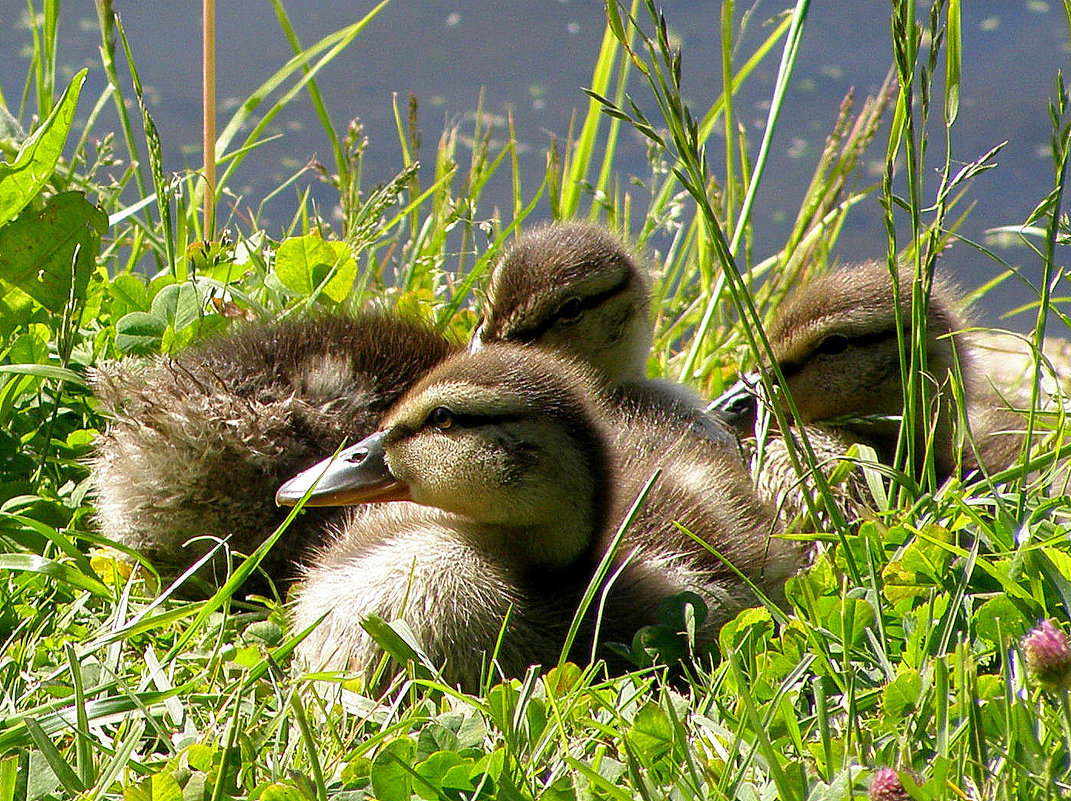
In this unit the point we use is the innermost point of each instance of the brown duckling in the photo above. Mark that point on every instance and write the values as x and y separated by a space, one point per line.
835 341
518 475
198 443
572 288
576 289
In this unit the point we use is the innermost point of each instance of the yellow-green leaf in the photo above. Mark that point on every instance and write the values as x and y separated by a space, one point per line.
23 178
50 253
307 264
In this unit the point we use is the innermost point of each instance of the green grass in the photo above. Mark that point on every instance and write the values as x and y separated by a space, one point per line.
901 647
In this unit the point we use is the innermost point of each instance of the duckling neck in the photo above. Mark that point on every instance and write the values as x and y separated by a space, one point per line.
932 429
638 338
538 548
552 529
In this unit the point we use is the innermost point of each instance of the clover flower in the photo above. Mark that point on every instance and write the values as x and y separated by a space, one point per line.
1048 656
886 786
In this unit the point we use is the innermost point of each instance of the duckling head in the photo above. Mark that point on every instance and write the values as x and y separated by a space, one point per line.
836 343
505 438
575 289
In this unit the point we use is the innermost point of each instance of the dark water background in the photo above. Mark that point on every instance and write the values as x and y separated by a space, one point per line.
534 57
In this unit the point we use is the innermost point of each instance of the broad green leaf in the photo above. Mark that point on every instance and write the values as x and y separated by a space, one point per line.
901 695
398 641
855 617
80 437
605 780
303 263
657 644
472 731
28 356
245 657
201 757
43 251
839 787
264 632
177 340
561 789
158 787
501 704
172 322
139 333
441 777
392 770
129 293
998 617
282 792
755 624
435 737
561 680
16 310
652 733
177 305
535 714
31 347
926 557
357 771
899 584
23 178
682 610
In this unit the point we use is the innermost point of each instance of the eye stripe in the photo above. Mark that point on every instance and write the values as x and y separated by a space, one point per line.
791 368
469 420
586 304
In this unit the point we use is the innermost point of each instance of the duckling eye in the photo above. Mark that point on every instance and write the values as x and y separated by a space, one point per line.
833 345
442 418
570 311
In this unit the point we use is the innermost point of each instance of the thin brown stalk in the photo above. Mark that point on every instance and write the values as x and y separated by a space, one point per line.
208 113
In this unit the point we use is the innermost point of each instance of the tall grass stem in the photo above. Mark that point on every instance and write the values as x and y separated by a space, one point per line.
208 113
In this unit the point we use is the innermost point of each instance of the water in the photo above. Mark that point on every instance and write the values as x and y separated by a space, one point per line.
534 63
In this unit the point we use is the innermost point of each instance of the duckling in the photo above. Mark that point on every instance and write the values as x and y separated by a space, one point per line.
197 444
835 341
517 475
575 288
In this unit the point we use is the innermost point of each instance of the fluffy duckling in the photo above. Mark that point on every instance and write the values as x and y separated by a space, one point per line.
576 289
518 477
573 288
198 443
835 341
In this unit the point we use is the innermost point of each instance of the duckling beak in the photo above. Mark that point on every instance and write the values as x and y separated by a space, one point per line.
358 474
737 405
